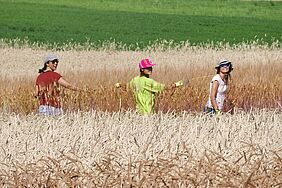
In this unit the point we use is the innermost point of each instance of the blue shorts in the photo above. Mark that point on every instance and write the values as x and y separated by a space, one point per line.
209 111
49 110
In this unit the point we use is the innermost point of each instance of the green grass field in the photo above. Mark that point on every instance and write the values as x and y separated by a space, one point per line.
140 21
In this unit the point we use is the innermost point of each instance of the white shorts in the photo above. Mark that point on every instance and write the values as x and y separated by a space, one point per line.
49 110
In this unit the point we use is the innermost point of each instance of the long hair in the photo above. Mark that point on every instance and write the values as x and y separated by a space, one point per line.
228 75
44 68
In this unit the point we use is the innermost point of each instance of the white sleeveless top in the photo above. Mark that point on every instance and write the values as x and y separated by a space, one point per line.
222 87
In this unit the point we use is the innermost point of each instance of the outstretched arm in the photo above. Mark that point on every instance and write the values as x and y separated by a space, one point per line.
68 85
121 86
178 84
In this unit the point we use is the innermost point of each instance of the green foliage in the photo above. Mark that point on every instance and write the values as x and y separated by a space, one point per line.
143 22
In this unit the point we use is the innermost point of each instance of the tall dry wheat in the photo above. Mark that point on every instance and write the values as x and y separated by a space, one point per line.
124 148
256 79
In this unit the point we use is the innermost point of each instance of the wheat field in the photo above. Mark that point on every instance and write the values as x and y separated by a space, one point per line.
256 79
102 142
99 149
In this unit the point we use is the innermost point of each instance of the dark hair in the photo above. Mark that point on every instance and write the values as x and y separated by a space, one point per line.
230 69
43 69
228 76
142 72
149 68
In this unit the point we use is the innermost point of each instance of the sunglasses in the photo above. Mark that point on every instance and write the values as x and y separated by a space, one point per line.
55 61
225 66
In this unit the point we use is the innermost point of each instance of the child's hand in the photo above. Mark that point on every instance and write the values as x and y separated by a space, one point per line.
179 83
117 85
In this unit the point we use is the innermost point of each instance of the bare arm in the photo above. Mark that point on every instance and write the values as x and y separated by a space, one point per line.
36 93
68 85
178 84
215 85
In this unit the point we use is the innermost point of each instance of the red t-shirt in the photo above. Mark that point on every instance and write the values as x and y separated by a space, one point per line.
49 89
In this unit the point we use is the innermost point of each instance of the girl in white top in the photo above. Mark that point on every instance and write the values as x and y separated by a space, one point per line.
218 87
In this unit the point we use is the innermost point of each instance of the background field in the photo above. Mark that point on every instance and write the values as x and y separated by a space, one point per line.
142 22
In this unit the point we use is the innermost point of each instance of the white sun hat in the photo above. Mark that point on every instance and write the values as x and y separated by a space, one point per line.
50 57
222 62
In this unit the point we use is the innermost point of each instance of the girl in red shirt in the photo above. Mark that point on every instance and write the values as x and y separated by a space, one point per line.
47 88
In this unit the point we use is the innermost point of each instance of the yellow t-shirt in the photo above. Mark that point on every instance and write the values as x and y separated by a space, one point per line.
144 90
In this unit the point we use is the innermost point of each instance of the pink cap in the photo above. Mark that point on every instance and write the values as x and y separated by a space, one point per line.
146 63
